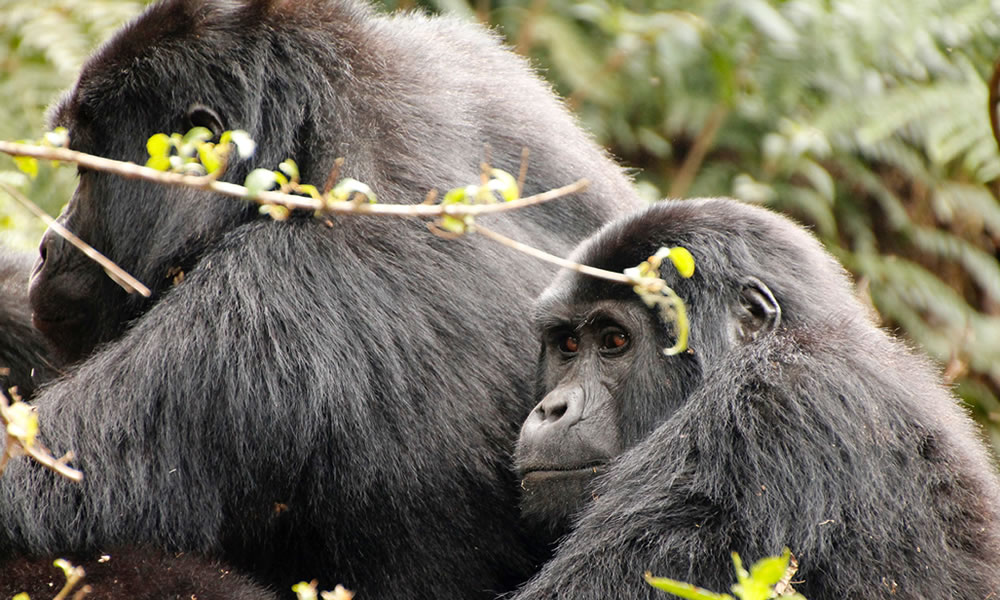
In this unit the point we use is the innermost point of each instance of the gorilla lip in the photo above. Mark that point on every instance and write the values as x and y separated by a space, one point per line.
546 472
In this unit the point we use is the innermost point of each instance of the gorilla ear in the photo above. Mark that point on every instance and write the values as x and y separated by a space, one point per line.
759 312
200 115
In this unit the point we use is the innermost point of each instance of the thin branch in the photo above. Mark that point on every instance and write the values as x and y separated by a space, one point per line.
118 275
696 156
552 258
994 102
133 171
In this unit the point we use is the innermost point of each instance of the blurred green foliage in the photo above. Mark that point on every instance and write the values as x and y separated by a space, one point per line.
865 120
42 45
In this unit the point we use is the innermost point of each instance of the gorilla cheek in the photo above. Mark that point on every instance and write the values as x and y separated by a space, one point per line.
64 297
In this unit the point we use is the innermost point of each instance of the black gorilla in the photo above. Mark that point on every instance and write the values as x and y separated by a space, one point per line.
313 400
793 421
25 357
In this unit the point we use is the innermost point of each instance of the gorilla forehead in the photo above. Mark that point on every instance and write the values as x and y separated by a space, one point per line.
730 241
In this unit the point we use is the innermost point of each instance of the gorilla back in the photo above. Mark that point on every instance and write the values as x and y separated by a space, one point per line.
793 421
328 400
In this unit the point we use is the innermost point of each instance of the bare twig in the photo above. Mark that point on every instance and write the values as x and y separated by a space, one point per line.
118 275
994 102
134 171
552 258
696 156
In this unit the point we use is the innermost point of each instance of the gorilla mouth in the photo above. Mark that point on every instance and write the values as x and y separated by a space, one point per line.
548 472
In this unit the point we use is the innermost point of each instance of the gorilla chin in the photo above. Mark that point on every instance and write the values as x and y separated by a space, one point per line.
552 496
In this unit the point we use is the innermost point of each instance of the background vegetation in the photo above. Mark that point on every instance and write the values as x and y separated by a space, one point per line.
865 120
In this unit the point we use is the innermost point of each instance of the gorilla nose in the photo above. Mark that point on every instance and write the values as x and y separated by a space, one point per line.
51 246
562 407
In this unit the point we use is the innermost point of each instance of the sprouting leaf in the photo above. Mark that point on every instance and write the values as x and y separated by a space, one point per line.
305 591
160 163
459 195
452 224
27 165
311 190
244 145
259 180
58 137
683 590
196 135
21 596
22 422
771 570
66 567
158 145
683 261
210 158
289 168
275 211
346 189
504 183
280 178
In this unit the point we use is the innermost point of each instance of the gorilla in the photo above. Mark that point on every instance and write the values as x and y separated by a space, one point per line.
25 357
792 420
315 398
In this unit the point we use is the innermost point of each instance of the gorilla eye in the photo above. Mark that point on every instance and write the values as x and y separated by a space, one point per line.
569 344
614 341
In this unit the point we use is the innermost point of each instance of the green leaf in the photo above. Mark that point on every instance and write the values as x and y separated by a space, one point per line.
452 224
683 590
769 571
160 163
197 135
27 165
58 137
21 596
683 261
346 189
504 183
210 158
460 195
259 180
311 190
158 145
288 167
244 145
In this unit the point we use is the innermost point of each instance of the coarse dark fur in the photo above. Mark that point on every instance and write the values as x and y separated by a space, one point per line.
808 428
313 400
148 575
25 357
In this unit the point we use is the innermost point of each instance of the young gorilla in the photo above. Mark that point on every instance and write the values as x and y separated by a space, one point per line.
792 421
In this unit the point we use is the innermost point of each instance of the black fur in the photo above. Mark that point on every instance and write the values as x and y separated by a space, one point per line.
328 401
148 575
822 434
25 357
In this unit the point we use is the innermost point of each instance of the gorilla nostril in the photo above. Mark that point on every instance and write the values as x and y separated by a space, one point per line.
554 411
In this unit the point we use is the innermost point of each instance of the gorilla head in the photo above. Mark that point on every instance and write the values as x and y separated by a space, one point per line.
792 420
604 381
